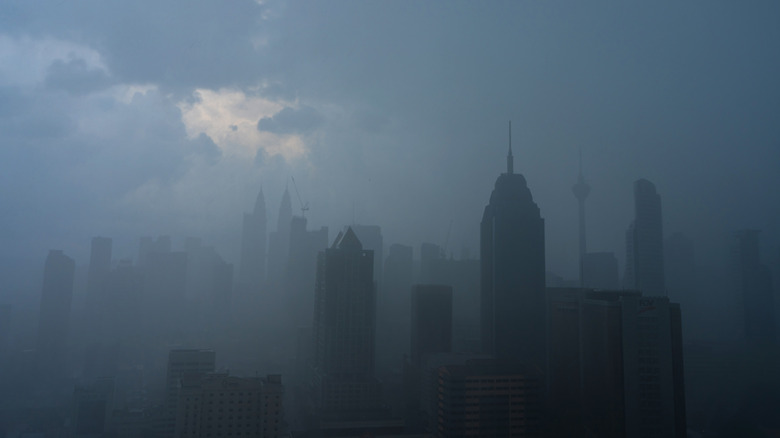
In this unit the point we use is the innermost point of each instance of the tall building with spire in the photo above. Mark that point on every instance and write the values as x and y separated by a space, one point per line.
513 272
253 244
581 190
644 242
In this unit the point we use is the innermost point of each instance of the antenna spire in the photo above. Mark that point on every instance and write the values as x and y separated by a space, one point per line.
510 161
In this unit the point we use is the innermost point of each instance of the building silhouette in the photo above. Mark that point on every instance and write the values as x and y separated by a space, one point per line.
600 271
755 294
431 321
616 364
279 242
488 398
581 191
54 316
302 269
251 272
345 387
644 242
98 273
513 272
222 405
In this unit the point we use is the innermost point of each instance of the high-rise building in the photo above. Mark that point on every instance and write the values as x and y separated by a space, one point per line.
99 270
431 321
600 271
279 242
393 304
488 398
753 281
182 363
93 404
302 268
251 272
581 190
513 272
644 242
371 238
54 313
344 326
222 405
616 365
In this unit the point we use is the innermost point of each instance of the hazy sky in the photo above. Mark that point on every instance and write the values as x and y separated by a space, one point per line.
126 118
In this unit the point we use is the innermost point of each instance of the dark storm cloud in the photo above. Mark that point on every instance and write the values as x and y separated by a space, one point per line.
291 120
75 77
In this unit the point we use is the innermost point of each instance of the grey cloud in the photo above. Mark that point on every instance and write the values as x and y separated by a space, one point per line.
290 120
75 77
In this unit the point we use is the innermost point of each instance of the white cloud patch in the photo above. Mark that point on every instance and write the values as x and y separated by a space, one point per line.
230 118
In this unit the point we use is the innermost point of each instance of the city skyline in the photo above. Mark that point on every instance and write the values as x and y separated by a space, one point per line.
689 108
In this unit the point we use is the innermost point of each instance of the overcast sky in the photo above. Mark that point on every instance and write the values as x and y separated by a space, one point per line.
129 118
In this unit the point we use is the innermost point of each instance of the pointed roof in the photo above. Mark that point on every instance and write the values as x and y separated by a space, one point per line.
350 241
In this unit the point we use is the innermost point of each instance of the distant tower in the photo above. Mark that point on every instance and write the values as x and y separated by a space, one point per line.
644 242
344 327
99 270
581 191
54 314
279 244
513 272
253 242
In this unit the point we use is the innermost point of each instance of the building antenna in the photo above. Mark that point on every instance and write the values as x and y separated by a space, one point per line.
304 207
510 160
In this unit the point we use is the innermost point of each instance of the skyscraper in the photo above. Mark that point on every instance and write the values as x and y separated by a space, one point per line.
581 191
431 320
753 281
253 241
279 242
99 270
513 272
644 242
54 314
344 326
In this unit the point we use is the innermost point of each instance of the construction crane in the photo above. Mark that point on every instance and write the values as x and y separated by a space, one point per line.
304 207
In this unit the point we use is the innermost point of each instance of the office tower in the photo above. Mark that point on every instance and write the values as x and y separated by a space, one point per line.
181 363
616 366
147 245
209 278
55 309
302 269
253 241
344 325
513 272
431 321
430 253
279 242
644 242
600 271
93 404
489 399
581 191
393 307
99 269
223 405
753 282
371 238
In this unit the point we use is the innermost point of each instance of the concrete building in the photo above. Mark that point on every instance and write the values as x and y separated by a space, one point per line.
54 316
344 383
219 405
488 398
431 321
